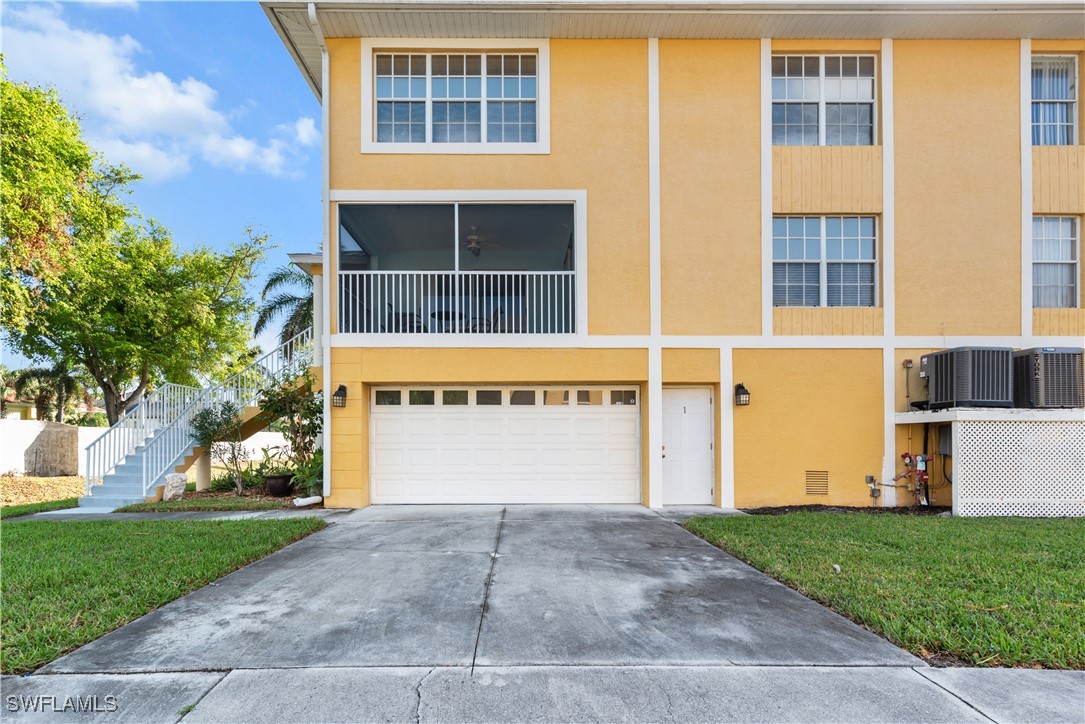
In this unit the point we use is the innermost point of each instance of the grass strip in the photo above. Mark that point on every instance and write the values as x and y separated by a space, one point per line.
65 583
987 591
14 511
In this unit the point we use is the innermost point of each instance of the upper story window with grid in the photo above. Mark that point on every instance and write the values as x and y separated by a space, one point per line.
428 101
824 261
1055 268
1054 101
823 100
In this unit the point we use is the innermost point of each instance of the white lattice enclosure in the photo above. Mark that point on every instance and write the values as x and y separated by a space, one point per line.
1015 462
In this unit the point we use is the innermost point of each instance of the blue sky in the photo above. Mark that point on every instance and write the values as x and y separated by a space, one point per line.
201 98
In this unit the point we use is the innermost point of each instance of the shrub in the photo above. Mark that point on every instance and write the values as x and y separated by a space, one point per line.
217 429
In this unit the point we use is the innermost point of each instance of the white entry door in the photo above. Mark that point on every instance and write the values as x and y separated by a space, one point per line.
519 444
687 446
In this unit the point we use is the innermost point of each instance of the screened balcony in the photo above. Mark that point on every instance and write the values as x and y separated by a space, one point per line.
457 268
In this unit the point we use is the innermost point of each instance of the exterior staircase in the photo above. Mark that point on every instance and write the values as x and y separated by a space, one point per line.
154 438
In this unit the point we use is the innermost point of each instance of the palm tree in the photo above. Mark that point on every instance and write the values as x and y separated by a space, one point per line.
280 298
7 385
49 386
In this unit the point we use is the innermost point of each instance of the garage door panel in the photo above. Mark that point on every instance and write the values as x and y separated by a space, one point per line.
506 453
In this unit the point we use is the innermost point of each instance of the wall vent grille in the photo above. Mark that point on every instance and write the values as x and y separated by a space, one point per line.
817 482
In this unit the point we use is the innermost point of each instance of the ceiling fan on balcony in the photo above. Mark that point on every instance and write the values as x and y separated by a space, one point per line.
474 242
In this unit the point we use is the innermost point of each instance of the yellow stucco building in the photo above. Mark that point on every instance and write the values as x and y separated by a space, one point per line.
560 235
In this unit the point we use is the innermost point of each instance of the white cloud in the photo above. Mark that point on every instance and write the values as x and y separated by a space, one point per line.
152 122
153 163
305 131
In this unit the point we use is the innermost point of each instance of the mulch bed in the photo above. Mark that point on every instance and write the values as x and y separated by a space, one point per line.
898 510
250 494
23 489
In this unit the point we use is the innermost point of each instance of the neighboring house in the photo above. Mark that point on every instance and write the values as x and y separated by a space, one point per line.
559 234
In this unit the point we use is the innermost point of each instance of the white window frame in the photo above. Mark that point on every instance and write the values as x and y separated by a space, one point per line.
1076 261
373 46
823 263
577 197
1075 131
822 118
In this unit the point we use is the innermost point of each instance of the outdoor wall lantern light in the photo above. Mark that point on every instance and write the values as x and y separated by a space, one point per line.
339 399
742 395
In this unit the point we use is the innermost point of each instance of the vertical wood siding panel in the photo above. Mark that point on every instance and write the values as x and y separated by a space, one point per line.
826 179
1058 186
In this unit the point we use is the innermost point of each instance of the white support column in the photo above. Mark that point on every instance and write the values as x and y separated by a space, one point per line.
318 320
325 236
766 187
889 402
655 284
889 186
655 288
655 427
888 273
1026 189
726 403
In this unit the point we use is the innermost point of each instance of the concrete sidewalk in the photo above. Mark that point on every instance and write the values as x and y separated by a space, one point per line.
563 694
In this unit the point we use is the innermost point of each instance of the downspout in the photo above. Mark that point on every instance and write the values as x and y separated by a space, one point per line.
325 247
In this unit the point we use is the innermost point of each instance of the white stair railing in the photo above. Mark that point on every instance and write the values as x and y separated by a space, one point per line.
156 410
289 360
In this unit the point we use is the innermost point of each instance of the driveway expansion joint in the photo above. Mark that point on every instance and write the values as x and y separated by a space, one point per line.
202 697
956 696
486 591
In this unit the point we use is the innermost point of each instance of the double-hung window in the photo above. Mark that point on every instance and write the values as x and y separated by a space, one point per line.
1054 101
455 101
823 100
824 261
1055 254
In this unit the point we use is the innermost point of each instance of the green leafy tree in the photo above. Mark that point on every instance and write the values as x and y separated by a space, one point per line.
133 310
51 182
287 293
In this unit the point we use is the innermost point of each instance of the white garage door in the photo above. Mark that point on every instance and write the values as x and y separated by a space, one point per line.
505 445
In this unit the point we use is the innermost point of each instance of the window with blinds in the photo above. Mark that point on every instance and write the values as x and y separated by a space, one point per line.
824 261
1055 252
1054 101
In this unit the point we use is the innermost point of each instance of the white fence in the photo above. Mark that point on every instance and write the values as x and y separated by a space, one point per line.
49 449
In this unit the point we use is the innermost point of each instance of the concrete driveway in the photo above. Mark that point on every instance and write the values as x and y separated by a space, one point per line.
490 612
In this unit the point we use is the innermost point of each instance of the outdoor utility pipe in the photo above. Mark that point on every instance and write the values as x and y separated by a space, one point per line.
325 246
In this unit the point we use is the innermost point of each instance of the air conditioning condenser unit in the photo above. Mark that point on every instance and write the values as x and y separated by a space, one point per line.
1049 377
969 377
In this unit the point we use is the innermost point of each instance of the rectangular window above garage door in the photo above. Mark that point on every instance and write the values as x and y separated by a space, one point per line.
387 397
541 396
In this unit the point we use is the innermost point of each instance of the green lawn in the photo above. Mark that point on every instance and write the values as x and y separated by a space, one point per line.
203 504
12 511
66 583
989 591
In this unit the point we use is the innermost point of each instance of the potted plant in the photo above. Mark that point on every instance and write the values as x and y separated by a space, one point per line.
277 474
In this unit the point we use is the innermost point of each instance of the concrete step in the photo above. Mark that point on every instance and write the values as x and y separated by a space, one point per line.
117 488
91 502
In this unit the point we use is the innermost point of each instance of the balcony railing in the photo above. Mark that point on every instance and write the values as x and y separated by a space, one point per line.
457 302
